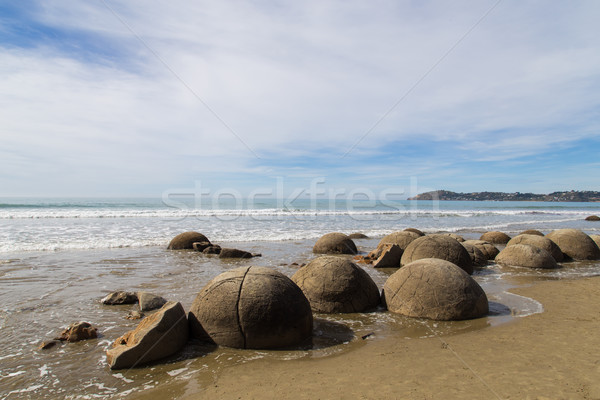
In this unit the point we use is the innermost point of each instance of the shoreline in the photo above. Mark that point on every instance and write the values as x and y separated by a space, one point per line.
542 356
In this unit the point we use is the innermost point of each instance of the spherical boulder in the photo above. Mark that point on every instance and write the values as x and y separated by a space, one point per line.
438 246
538 241
592 218
402 239
335 243
252 308
489 250
337 285
477 257
532 232
575 244
524 255
495 237
358 235
415 230
186 240
434 289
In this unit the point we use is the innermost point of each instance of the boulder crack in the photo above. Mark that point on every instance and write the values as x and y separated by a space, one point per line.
237 307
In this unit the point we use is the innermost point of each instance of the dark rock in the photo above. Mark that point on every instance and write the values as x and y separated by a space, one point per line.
495 237
78 331
157 336
117 298
48 344
200 246
358 235
186 240
334 243
415 230
477 257
251 307
390 256
592 218
438 246
434 289
234 253
149 301
524 255
337 285
489 250
214 249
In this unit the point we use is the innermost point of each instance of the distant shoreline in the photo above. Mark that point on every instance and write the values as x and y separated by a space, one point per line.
570 196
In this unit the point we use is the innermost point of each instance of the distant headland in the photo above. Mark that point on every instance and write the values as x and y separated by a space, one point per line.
573 195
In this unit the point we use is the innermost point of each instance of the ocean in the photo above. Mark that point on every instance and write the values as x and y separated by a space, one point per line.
59 257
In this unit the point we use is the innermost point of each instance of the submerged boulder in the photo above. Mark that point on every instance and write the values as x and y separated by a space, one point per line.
186 240
78 331
157 336
149 301
435 289
337 285
212 249
438 246
524 255
252 308
538 241
358 235
495 237
489 250
592 218
200 246
118 298
334 243
575 244
235 253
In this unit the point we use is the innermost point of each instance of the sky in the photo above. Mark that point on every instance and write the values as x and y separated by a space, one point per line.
138 98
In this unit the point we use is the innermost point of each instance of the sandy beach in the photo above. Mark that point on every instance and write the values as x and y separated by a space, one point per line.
552 355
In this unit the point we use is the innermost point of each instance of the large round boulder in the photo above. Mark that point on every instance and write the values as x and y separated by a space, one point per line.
524 255
477 257
438 246
401 239
531 232
435 289
575 244
495 237
337 285
252 308
186 240
538 241
489 250
335 243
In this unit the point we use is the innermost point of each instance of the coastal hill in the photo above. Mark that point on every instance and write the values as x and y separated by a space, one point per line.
573 195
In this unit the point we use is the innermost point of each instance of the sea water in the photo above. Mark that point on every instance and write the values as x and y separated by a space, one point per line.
59 257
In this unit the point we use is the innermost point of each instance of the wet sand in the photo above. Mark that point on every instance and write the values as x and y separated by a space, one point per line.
551 355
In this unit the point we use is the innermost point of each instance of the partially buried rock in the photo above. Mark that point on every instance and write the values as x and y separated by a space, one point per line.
532 232
538 241
158 336
78 331
213 249
149 301
455 236
337 285
592 218
186 240
477 257
434 289
438 246
390 256
489 250
358 235
495 237
575 244
47 344
251 307
401 239
117 298
524 255
235 253
200 246
334 243
415 230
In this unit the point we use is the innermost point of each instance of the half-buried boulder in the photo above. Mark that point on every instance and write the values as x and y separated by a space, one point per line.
415 230
149 301
234 253
477 257
358 235
157 336
495 237
489 250
438 246
532 232
592 218
434 289
186 240
455 236
575 244
337 285
334 243
538 241
524 255
252 308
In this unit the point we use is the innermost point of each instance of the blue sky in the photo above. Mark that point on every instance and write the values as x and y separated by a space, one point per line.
109 98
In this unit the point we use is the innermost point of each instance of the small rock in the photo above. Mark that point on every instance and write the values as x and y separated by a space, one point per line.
47 344
234 253
200 246
358 235
135 315
390 256
116 298
78 331
593 218
149 301
214 249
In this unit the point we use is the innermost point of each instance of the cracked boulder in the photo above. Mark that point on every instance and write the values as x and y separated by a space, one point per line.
252 308
335 243
489 250
438 246
186 240
477 257
575 244
434 289
337 285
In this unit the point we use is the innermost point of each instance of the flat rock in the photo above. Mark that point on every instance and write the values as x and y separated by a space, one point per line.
157 336
149 301
117 298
